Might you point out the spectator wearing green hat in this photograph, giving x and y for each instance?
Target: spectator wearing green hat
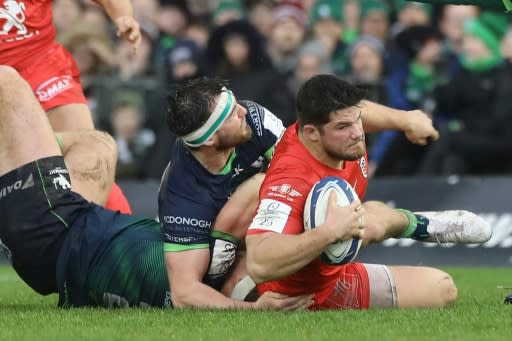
(411, 13)
(478, 137)
(226, 11)
(326, 21)
(375, 19)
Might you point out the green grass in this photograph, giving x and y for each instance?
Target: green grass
(479, 314)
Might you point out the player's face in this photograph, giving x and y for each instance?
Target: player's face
(343, 136)
(234, 130)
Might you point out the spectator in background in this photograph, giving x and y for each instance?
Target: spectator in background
(375, 19)
(313, 59)
(145, 11)
(451, 25)
(132, 138)
(351, 15)
(367, 68)
(198, 30)
(367, 73)
(287, 34)
(236, 52)
(477, 139)
(65, 14)
(172, 20)
(259, 13)
(327, 25)
(410, 13)
(409, 88)
(227, 11)
(185, 62)
(135, 66)
(94, 55)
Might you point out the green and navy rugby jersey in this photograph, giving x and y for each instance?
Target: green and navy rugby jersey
(191, 197)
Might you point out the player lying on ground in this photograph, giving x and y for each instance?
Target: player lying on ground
(56, 239)
(224, 144)
(329, 140)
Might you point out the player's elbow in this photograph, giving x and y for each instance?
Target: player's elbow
(181, 298)
(258, 271)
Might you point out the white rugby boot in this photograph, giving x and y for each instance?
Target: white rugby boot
(456, 226)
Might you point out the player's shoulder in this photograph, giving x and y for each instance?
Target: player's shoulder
(261, 119)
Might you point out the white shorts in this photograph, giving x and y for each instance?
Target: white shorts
(382, 286)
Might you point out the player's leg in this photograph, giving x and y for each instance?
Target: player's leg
(90, 157)
(422, 287)
(70, 117)
(25, 133)
(409, 287)
(452, 226)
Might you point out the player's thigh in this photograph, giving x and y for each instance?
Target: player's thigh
(91, 161)
(418, 286)
(69, 117)
(25, 133)
(237, 213)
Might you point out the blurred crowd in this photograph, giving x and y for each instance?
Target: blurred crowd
(452, 62)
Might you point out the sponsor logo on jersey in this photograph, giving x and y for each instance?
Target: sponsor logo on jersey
(272, 215)
(13, 17)
(16, 186)
(58, 170)
(62, 182)
(284, 191)
(363, 166)
(52, 87)
(255, 114)
(178, 240)
(169, 219)
(237, 170)
(258, 163)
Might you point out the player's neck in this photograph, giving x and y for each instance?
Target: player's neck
(212, 159)
(319, 153)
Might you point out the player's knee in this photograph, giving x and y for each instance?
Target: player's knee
(447, 289)
(8, 76)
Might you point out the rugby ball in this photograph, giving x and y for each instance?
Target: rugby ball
(315, 209)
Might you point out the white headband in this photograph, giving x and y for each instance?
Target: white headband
(224, 106)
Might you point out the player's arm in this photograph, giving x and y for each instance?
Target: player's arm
(415, 124)
(272, 255)
(121, 14)
(185, 270)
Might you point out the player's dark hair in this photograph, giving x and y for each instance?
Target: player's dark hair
(192, 104)
(323, 94)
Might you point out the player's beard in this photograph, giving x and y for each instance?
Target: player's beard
(228, 141)
(337, 154)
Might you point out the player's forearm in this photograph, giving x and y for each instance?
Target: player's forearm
(199, 295)
(272, 256)
(377, 117)
(116, 8)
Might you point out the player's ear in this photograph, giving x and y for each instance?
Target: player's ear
(211, 141)
(311, 132)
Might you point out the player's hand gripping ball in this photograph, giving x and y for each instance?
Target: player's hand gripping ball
(315, 210)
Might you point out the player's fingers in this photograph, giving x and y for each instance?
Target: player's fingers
(297, 302)
(435, 135)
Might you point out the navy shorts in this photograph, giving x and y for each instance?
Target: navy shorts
(37, 208)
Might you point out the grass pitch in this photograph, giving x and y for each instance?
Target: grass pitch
(479, 314)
